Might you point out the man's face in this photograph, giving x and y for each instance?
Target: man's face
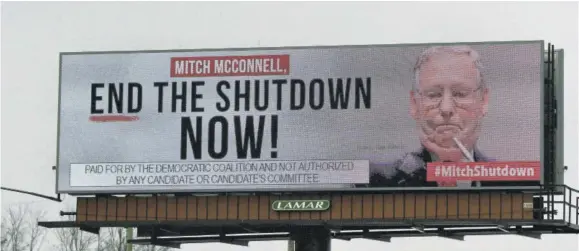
(449, 102)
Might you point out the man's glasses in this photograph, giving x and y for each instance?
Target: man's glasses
(461, 96)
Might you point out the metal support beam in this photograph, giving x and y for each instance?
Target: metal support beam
(248, 228)
(169, 232)
(504, 229)
(418, 228)
(452, 237)
(342, 238)
(57, 198)
(378, 238)
(228, 240)
(446, 234)
(520, 231)
(93, 230)
(530, 235)
(166, 244)
(332, 227)
(375, 236)
(155, 241)
(336, 235)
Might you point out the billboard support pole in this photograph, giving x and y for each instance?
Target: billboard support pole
(311, 239)
(129, 233)
(291, 245)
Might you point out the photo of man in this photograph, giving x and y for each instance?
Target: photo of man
(448, 102)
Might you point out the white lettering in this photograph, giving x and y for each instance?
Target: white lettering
(180, 67)
(319, 204)
(248, 65)
(483, 171)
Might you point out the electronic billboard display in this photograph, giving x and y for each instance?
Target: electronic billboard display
(301, 118)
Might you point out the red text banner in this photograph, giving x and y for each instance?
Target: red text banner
(256, 65)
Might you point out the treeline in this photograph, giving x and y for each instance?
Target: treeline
(20, 232)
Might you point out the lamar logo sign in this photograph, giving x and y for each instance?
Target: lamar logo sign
(300, 205)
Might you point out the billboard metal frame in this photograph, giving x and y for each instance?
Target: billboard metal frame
(164, 231)
(297, 189)
(559, 163)
(549, 122)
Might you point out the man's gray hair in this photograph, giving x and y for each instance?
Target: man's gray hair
(458, 49)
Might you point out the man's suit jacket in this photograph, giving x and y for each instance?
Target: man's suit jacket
(410, 171)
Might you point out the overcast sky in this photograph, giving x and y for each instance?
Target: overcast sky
(34, 33)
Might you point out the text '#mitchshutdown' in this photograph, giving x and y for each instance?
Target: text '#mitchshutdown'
(484, 171)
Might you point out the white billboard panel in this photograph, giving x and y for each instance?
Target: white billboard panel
(295, 118)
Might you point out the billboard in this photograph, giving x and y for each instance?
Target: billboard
(301, 118)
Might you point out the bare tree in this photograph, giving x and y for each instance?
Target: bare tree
(36, 233)
(20, 231)
(74, 239)
(115, 239)
(5, 239)
(150, 248)
(108, 239)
